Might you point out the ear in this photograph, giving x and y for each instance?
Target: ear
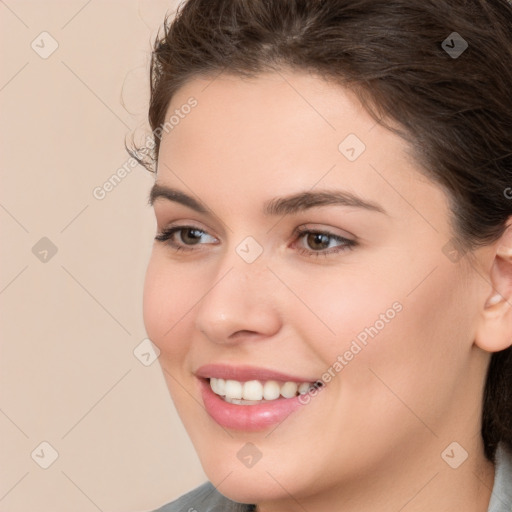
(494, 332)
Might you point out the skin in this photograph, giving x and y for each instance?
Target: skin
(373, 437)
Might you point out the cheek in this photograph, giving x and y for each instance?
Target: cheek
(343, 306)
(416, 339)
(167, 299)
(417, 361)
(153, 307)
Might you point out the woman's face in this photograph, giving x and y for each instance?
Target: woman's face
(370, 296)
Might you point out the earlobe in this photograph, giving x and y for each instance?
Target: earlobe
(494, 331)
(493, 300)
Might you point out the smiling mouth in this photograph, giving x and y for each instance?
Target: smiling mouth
(255, 392)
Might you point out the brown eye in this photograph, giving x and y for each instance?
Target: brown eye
(191, 236)
(188, 237)
(318, 241)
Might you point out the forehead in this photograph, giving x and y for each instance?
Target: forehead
(272, 107)
(278, 133)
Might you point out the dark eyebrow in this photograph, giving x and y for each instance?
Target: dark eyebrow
(277, 206)
(171, 194)
(304, 200)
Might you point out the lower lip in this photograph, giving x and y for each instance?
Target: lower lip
(248, 418)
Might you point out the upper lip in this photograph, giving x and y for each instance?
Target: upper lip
(245, 373)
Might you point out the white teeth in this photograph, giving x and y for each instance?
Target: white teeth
(271, 390)
(254, 391)
(233, 389)
(214, 384)
(304, 388)
(289, 389)
(221, 386)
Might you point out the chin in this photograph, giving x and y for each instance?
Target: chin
(266, 481)
(247, 488)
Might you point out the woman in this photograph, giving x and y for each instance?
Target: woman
(330, 286)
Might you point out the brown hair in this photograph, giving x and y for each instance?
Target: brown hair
(454, 110)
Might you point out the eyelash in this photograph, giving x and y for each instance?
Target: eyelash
(166, 236)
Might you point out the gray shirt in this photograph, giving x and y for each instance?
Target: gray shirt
(206, 498)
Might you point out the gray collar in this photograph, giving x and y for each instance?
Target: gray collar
(501, 497)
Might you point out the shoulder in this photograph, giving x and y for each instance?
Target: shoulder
(501, 498)
(204, 498)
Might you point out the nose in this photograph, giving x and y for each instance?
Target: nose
(239, 304)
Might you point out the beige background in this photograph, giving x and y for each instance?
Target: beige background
(70, 321)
